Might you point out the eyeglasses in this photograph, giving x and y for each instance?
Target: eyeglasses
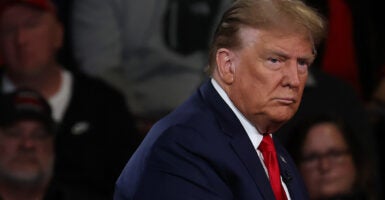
(334, 156)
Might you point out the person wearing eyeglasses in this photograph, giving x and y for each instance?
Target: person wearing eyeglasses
(331, 160)
(27, 151)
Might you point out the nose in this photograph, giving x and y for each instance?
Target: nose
(27, 142)
(291, 75)
(324, 164)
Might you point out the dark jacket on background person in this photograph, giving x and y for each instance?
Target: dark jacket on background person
(95, 138)
(58, 191)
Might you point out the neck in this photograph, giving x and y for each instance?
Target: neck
(266, 126)
(47, 82)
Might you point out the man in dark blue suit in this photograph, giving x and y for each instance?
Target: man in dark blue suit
(209, 147)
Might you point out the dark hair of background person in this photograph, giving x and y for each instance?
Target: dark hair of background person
(366, 184)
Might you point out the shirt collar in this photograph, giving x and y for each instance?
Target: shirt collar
(251, 131)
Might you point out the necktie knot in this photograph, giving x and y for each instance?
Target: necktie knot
(267, 144)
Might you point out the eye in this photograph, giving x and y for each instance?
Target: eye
(303, 66)
(310, 158)
(12, 133)
(32, 23)
(273, 60)
(303, 63)
(274, 63)
(40, 134)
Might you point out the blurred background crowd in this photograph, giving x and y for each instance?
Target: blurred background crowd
(109, 69)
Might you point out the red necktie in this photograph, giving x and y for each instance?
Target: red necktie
(271, 162)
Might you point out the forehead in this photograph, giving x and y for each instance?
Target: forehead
(26, 123)
(276, 38)
(19, 10)
(323, 136)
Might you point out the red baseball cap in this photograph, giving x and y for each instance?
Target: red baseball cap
(45, 5)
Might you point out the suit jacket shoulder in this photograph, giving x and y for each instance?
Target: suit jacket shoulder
(202, 151)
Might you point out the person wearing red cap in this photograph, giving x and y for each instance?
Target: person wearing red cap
(27, 155)
(96, 133)
(40, 4)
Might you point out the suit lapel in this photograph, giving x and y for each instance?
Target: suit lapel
(239, 140)
(288, 173)
(245, 150)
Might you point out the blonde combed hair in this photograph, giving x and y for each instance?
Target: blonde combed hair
(287, 15)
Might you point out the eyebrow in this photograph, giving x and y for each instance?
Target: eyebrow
(279, 53)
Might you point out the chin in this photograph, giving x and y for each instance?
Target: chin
(273, 125)
(277, 121)
(282, 118)
(285, 114)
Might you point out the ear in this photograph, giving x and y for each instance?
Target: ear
(225, 65)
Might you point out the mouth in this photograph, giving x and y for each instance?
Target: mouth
(286, 101)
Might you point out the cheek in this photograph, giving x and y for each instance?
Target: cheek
(46, 155)
(308, 175)
(348, 176)
(7, 49)
(46, 149)
(42, 41)
(311, 180)
(7, 151)
(302, 85)
(255, 85)
(249, 93)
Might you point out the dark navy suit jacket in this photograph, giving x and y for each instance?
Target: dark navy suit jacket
(201, 151)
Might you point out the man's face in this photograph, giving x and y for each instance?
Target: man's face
(270, 71)
(29, 39)
(26, 152)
